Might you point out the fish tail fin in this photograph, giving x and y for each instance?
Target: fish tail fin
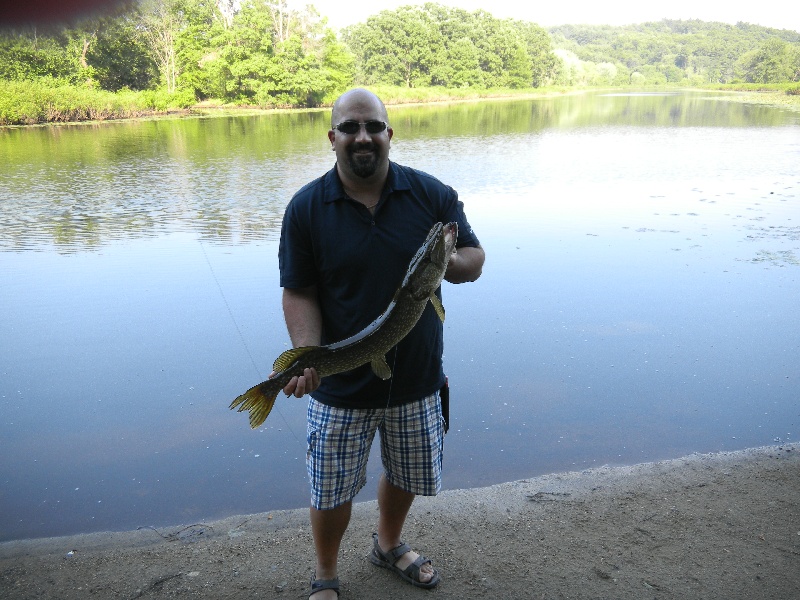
(259, 400)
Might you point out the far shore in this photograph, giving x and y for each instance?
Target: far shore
(774, 99)
(210, 109)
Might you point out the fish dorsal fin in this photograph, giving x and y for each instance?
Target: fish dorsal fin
(288, 358)
(438, 306)
(380, 368)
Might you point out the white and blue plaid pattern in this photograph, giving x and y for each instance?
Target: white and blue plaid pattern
(339, 441)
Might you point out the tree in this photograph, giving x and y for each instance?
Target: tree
(772, 62)
(294, 78)
(503, 53)
(203, 33)
(399, 47)
(337, 64)
(701, 51)
(438, 45)
(160, 25)
(464, 64)
(544, 64)
(119, 57)
(56, 52)
(248, 52)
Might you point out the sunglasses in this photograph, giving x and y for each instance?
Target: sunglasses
(352, 127)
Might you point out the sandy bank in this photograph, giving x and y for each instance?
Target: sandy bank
(705, 526)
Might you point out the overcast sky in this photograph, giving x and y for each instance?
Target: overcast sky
(770, 13)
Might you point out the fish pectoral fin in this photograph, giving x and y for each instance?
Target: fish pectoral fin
(438, 306)
(380, 368)
(288, 358)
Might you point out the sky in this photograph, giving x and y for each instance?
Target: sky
(769, 13)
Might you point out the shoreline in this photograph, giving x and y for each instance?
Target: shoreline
(206, 110)
(722, 525)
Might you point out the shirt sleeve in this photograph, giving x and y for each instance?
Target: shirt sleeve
(295, 251)
(454, 212)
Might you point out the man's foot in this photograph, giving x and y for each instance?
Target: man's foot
(324, 589)
(410, 566)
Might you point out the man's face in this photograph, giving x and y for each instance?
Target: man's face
(360, 154)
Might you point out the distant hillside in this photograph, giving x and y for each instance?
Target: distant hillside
(677, 50)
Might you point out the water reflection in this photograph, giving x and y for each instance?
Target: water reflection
(82, 186)
(638, 300)
(78, 187)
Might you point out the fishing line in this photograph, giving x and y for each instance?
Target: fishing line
(239, 331)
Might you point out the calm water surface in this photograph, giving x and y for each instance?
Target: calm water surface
(639, 300)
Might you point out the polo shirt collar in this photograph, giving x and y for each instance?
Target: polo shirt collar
(396, 181)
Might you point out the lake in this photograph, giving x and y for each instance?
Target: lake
(639, 300)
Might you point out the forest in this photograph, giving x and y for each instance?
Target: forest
(153, 55)
(679, 52)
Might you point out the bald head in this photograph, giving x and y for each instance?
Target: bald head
(356, 98)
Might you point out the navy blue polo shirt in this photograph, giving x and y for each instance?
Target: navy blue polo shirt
(357, 260)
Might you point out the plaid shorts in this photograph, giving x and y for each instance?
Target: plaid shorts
(339, 441)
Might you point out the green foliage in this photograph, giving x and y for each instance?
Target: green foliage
(503, 53)
(685, 52)
(201, 31)
(418, 46)
(119, 57)
(48, 100)
(401, 47)
(337, 67)
(773, 61)
(544, 64)
(29, 53)
(294, 78)
(161, 100)
(270, 56)
(162, 54)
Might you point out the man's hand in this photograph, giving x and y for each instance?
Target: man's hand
(301, 385)
(465, 265)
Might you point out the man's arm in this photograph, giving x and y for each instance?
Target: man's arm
(303, 316)
(465, 264)
(304, 321)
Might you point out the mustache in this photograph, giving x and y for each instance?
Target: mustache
(361, 146)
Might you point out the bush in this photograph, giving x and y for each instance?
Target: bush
(162, 100)
(52, 101)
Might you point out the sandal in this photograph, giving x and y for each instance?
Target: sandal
(317, 585)
(388, 560)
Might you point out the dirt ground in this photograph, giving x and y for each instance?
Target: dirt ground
(705, 526)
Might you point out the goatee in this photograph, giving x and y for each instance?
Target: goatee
(363, 165)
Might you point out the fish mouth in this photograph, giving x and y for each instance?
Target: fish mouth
(450, 232)
(449, 237)
(440, 243)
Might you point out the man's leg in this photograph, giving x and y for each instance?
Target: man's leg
(393, 505)
(338, 450)
(328, 527)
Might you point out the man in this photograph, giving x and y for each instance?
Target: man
(346, 242)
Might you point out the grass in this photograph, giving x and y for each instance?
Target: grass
(51, 101)
(783, 95)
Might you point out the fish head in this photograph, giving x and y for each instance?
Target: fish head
(426, 271)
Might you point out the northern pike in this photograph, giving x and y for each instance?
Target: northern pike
(370, 345)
